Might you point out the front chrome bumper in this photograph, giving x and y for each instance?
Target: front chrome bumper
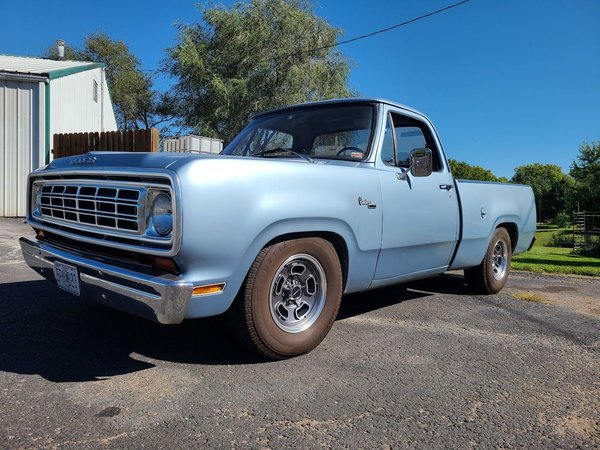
(161, 298)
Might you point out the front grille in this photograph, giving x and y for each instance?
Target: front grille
(108, 209)
(115, 208)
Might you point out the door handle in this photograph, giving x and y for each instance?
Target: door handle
(446, 187)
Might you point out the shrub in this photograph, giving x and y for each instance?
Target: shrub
(564, 239)
(563, 219)
(591, 247)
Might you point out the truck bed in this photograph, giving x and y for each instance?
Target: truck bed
(485, 206)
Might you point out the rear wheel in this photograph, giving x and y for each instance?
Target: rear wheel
(290, 299)
(490, 276)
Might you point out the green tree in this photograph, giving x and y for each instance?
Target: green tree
(136, 103)
(550, 186)
(585, 170)
(250, 57)
(461, 169)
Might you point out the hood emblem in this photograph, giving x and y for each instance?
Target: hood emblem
(83, 160)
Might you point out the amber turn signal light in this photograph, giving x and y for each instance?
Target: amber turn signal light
(164, 264)
(208, 289)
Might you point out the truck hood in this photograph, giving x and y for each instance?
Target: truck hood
(165, 160)
(96, 160)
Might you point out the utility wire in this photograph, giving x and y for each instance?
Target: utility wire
(357, 38)
(383, 30)
(433, 13)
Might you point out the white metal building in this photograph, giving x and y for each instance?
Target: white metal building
(39, 98)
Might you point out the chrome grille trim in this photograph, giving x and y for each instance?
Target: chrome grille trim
(144, 242)
(93, 205)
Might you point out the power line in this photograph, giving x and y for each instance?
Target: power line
(357, 38)
(433, 13)
(383, 30)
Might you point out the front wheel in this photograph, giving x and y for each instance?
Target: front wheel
(290, 299)
(490, 276)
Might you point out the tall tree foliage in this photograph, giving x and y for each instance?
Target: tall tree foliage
(585, 170)
(550, 185)
(136, 103)
(250, 57)
(461, 169)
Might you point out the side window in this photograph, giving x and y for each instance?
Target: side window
(410, 134)
(407, 139)
(387, 147)
(95, 91)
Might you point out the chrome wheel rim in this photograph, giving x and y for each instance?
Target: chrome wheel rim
(298, 293)
(500, 259)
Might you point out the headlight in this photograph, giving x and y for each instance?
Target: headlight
(162, 214)
(36, 198)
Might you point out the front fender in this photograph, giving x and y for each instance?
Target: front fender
(228, 219)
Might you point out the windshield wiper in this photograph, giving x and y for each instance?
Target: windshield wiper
(289, 150)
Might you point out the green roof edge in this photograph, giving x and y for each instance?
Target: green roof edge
(59, 73)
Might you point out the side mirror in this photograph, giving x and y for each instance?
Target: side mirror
(421, 162)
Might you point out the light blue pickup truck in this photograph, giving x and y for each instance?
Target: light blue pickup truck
(306, 204)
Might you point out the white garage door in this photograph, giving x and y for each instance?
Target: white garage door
(21, 136)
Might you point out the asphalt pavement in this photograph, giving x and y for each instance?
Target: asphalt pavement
(421, 365)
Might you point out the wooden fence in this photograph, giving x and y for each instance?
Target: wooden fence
(69, 144)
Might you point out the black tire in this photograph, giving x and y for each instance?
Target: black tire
(490, 276)
(276, 296)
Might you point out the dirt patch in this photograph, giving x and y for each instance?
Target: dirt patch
(530, 297)
(577, 424)
(581, 294)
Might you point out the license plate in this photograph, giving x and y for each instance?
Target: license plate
(67, 277)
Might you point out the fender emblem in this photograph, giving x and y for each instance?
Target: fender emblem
(83, 160)
(364, 202)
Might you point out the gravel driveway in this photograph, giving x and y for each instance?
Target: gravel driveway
(423, 365)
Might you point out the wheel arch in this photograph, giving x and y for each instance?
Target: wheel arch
(338, 242)
(513, 232)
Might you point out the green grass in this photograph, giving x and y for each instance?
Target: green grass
(544, 236)
(543, 258)
(555, 260)
(546, 227)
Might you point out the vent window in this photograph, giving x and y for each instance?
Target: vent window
(95, 91)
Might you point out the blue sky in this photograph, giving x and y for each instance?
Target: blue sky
(507, 82)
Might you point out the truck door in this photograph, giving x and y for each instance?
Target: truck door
(420, 215)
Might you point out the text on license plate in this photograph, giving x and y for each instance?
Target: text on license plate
(67, 277)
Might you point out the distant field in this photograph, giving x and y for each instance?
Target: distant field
(554, 259)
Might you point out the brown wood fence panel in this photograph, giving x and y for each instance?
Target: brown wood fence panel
(69, 144)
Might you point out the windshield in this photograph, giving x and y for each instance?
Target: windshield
(324, 131)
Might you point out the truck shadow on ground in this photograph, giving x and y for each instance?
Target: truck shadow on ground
(364, 302)
(48, 332)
